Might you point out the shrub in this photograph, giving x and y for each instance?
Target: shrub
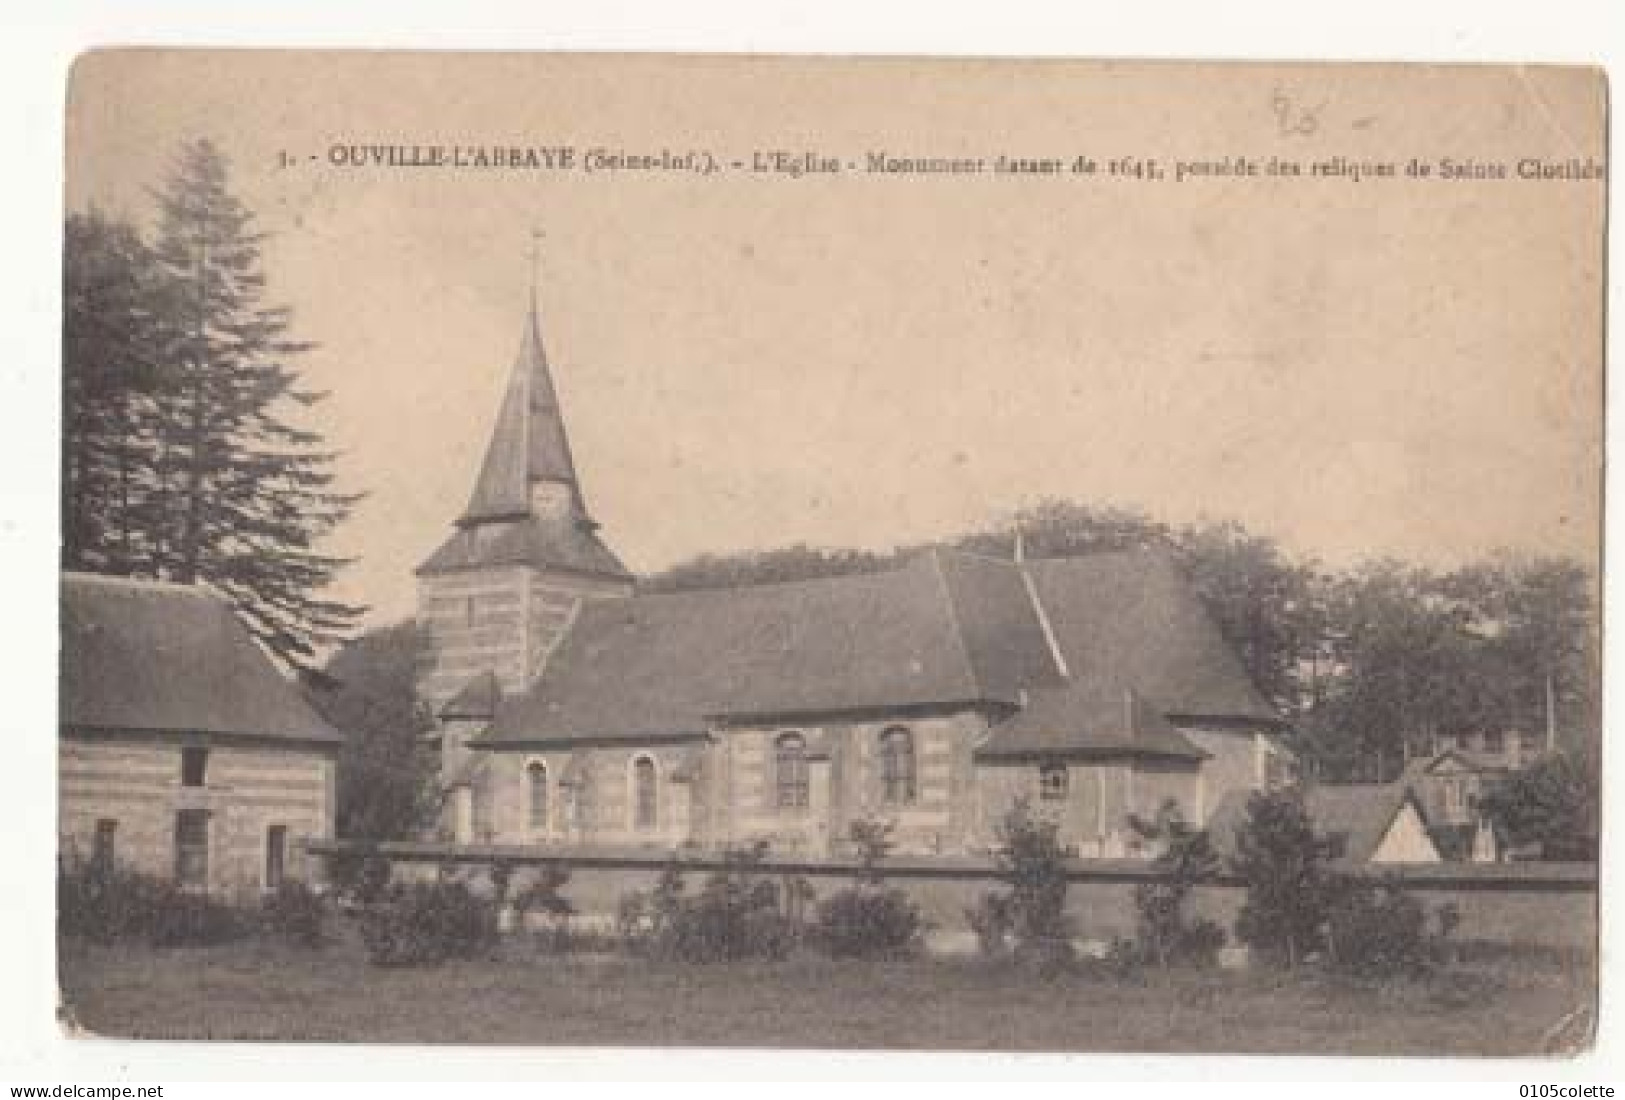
(867, 920)
(101, 901)
(643, 918)
(1290, 889)
(544, 895)
(184, 919)
(1164, 934)
(735, 915)
(361, 875)
(424, 924)
(1028, 921)
(1380, 931)
(992, 922)
(295, 914)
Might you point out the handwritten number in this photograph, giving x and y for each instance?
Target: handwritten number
(1292, 120)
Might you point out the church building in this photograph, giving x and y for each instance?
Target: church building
(574, 711)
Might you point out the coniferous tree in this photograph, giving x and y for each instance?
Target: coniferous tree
(248, 496)
(114, 343)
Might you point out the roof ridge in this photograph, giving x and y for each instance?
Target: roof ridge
(1044, 625)
(801, 582)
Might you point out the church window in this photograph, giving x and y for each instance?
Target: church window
(790, 771)
(194, 766)
(469, 609)
(1053, 782)
(897, 771)
(644, 805)
(536, 794)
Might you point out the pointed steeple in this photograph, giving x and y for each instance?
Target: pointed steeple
(527, 507)
(529, 444)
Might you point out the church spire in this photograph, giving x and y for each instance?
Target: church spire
(528, 445)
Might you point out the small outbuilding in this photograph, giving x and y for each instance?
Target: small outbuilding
(183, 751)
(1372, 822)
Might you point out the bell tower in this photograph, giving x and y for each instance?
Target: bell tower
(497, 596)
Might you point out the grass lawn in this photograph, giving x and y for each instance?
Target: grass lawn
(257, 991)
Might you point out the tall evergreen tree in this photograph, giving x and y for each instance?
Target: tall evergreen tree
(248, 495)
(113, 345)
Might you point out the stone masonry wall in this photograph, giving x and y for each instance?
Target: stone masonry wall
(137, 784)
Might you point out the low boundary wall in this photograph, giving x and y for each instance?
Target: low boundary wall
(1512, 904)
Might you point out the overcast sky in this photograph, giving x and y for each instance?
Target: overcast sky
(1385, 367)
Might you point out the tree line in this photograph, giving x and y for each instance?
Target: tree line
(181, 456)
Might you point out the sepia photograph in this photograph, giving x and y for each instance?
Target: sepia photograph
(820, 553)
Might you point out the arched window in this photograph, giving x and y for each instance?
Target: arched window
(790, 771)
(536, 795)
(645, 809)
(897, 765)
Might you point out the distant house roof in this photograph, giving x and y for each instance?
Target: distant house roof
(151, 656)
(947, 628)
(1455, 761)
(1361, 814)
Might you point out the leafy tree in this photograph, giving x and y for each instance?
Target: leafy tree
(791, 563)
(385, 778)
(1263, 603)
(1552, 802)
(247, 495)
(1290, 888)
(1535, 617)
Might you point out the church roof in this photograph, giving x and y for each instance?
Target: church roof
(1131, 618)
(528, 443)
(947, 628)
(531, 540)
(147, 655)
(477, 701)
(1087, 719)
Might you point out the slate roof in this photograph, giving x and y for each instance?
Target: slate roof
(667, 664)
(947, 628)
(1360, 813)
(1092, 719)
(477, 701)
(1131, 618)
(528, 443)
(571, 546)
(152, 656)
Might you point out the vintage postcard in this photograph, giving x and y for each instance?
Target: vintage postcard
(831, 553)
